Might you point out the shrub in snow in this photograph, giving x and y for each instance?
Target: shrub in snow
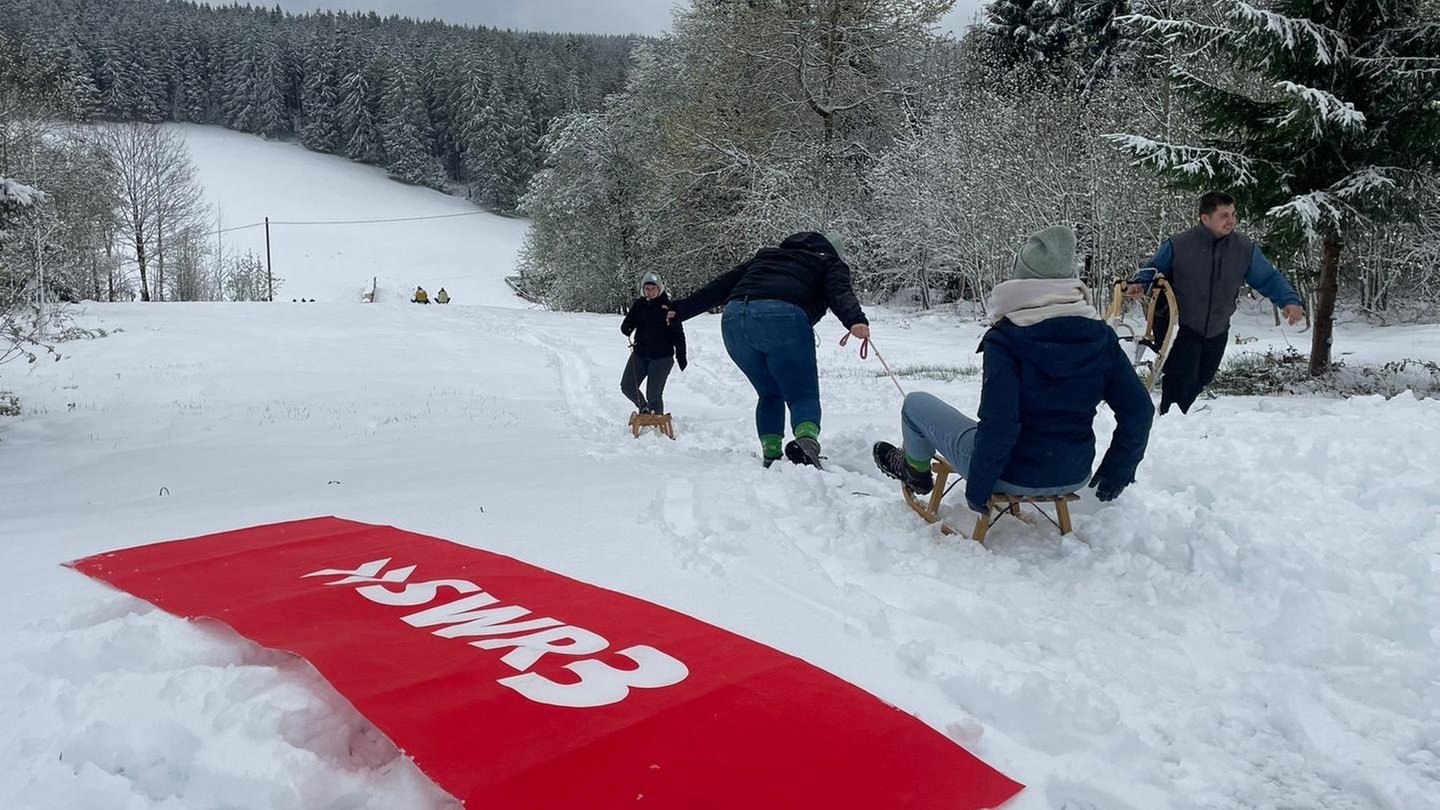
(1272, 373)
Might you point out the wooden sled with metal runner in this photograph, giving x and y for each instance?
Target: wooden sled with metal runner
(1160, 311)
(1000, 505)
(660, 421)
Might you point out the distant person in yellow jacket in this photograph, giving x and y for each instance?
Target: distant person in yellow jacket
(421, 297)
(442, 297)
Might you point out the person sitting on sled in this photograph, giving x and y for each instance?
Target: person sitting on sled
(657, 346)
(442, 297)
(772, 303)
(421, 297)
(1048, 362)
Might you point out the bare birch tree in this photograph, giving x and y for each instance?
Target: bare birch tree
(160, 195)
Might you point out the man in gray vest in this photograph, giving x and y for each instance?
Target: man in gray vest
(1206, 266)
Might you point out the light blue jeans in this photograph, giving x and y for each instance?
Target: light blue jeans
(929, 424)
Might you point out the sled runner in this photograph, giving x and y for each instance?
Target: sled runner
(659, 421)
(1000, 504)
(1157, 333)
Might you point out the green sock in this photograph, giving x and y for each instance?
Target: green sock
(922, 466)
(807, 430)
(770, 445)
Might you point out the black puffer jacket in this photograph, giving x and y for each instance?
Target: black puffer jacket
(654, 338)
(803, 270)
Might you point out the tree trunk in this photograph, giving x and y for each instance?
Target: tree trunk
(140, 260)
(160, 259)
(1328, 291)
(110, 268)
(925, 278)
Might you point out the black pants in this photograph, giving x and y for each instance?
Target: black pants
(640, 369)
(1191, 366)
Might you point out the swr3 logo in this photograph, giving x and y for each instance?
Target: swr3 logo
(477, 613)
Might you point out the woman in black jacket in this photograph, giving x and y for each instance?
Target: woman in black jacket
(657, 345)
(772, 303)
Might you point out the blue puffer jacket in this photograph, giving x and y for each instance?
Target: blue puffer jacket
(1037, 407)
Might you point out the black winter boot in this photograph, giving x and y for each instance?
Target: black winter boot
(803, 450)
(891, 461)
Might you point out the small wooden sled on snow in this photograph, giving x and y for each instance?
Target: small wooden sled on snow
(660, 421)
(1000, 504)
(1147, 338)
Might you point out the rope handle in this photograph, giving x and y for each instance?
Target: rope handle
(866, 346)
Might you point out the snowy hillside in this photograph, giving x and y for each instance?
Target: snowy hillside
(440, 241)
(1254, 624)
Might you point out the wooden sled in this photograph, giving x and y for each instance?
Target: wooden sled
(659, 421)
(1000, 505)
(1160, 345)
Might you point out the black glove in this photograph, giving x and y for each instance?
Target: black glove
(1106, 489)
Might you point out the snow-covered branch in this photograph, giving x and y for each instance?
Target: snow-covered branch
(1191, 160)
(15, 195)
(1321, 107)
(1365, 182)
(1293, 33)
(1313, 213)
(1172, 29)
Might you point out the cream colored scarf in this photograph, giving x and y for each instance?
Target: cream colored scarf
(1029, 301)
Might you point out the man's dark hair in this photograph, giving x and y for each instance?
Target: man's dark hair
(1211, 200)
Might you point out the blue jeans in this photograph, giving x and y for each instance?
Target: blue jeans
(773, 344)
(929, 424)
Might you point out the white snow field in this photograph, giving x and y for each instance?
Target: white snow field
(1254, 624)
(440, 241)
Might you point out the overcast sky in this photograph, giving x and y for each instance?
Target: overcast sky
(589, 16)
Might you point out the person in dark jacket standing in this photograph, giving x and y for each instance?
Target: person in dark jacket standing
(1049, 361)
(657, 345)
(772, 303)
(1206, 266)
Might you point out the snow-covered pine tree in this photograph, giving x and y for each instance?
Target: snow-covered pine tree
(405, 128)
(237, 90)
(440, 81)
(320, 95)
(357, 118)
(272, 113)
(485, 141)
(1099, 39)
(520, 149)
(81, 90)
(1319, 117)
(253, 99)
(192, 85)
(130, 88)
(1031, 34)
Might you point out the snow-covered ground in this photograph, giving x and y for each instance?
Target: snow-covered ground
(1251, 625)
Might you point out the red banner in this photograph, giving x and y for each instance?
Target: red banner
(514, 687)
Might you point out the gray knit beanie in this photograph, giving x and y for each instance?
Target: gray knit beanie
(1050, 253)
(651, 278)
